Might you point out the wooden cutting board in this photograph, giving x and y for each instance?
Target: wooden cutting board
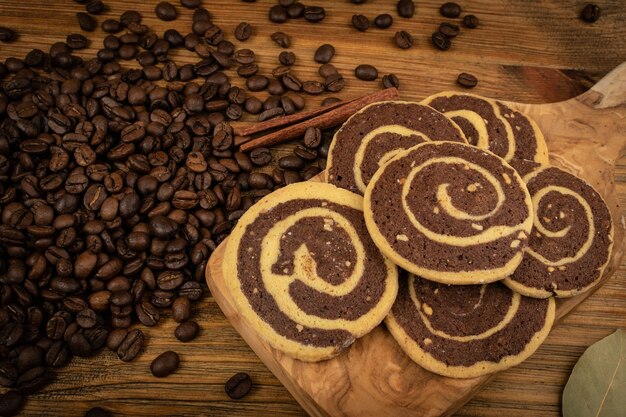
(586, 135)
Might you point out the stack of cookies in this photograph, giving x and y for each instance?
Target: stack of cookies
(462, 239)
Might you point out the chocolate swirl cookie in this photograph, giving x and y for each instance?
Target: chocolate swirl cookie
(377, 133)
(492, 125)
(450, 213)
(571, 240)
(464, 331)
(304, 272)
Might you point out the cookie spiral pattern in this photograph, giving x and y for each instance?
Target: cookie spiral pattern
(492, 125)
(450, 213)
(377, 133)
(572, 237)
(304, 272)
(464, 331)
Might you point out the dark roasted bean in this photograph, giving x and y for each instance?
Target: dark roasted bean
(403, 39)
(314, 14)
(470, 21)
(243, 31)
(165, 364)
(466, 80)
(450, 9)
(441, 41)
(277, 14)
(383, 21)
(449, 29)
(324, 53)
(360, 22)
(238, 385)
(166, 11)
(282, 39)
(590, 13)
(366, 72)
(187, 331)
(405, 8)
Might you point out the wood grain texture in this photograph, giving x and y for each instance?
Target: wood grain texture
(538, 52)
(585, 135)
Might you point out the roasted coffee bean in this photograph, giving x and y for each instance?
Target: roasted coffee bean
(147, 314)
(270, 113)
(58, 354)
(7, 34)
(291, 162)
(305, 153)
(334, 83)
(86, 318)
(166, 11)
(470, 21)
(590, 13)
(324, 53)
(275, 87)
(441, 41)
(181, 309)
(403, 39)
(360, 22)
(295, 10)
(86, 22)
(170, 280)
(131, 345)
(187, 331)
(243, 31)
(238, 386)
(11, 403)
(111, 26)
(282, 39)
(98, 412)
(405, 8)
(327, 70)
(450, 9)
(466, 80)
(366, 72)
(277, 14)
(291, 82)
(130, 16)
(287, 58)
(314, 14)
(383, 21)
(165, 364)
(312, 87)
(312, 137)
(76, 41)
(449, 29)
(257, 83)
(190, 4)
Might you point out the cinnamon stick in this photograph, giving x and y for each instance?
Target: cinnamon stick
(285, 120)
(324, 120)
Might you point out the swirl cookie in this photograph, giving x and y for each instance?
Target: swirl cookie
(450, 213)
(464, 331)
(492, 125)
(377, 133)
(570, 244)
(304, 272)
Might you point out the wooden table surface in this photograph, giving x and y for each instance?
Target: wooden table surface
(539, 52)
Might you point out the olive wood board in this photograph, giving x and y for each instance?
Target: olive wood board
(585, 135)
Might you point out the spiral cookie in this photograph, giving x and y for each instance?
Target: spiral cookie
(569, 246)
(492, 125)
(304, 272)
(464, 331)
(450, 213)
(377, 133)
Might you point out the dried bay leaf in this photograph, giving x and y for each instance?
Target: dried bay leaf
(597, 385)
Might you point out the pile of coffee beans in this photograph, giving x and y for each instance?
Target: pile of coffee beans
(116, 184)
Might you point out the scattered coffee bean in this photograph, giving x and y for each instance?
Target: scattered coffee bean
(243, 31)
(590, 13)
(190, 4)
(111, 26)
(260, 156)
(296, 10)
(314, 14)
(405, 8)
(383, 21)
(287, 58)
(467, 80)
(470, 21)
(238, 386)
(324, 53)
(403, 39)
(360, 22)
(257, 82)
(86, 22)
(98, 412)
(95, 7)
(450, 9)
(165, 364)
(312, 137)
(278, 14)
(131, 345)
(366, 72)
(391, 81)
(282, 39)
(7, 34)
(327, 70)
(441, 41)
(166, 11)
(186, 331)
(449, 29)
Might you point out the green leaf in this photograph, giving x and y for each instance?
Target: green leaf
(597, 385)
